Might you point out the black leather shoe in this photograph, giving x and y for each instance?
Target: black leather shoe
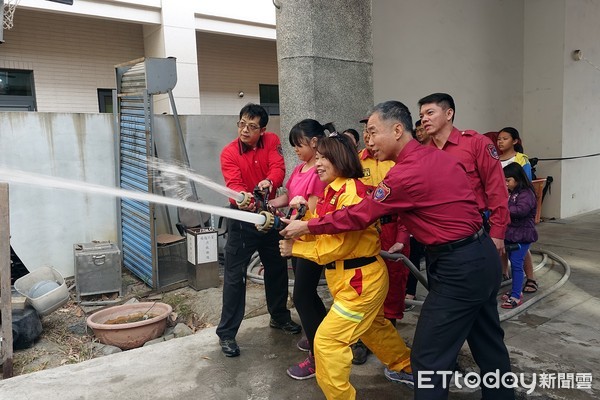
(359, 353)
(229, 347)
(289, 327)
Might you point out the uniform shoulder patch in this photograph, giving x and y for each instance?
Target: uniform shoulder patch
(491, 149)
(280, 150)
(381, 192)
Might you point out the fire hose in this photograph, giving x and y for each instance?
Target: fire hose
(505, 314)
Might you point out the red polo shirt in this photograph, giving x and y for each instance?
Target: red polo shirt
(243, 167)
(479, 156)
(427, 188)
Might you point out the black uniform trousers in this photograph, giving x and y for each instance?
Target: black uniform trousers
(461, 305)
(243, 239)
(417, 251)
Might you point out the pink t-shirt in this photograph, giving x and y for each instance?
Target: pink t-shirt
(304, 184)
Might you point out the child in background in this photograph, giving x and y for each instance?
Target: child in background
(511, 149)
(522, 205)
(305, 182)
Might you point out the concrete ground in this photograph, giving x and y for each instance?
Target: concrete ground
(556, 335)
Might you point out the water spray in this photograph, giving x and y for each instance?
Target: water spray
(28, 178)
(175, 177)
(172, 174)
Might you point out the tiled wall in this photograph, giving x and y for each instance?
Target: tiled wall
(71, 57)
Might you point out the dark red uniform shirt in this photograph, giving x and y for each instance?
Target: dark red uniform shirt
(478, 155)
(427, 188)
(243, 167)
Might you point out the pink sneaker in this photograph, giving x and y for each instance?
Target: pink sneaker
(303, 370)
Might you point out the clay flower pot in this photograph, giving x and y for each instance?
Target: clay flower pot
(130, 325)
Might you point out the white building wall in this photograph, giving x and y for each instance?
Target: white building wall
(255, 12)
(71, 56)
(228, 65)
(561, 100)
(176, 37)
(255, 19)
(140, 11)
(471, 49)
(169, 30)
(543, 91)
(580, 130)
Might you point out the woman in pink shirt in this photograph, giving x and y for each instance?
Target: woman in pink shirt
(305, 182)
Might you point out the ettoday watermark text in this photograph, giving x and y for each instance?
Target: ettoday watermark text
(495, 380)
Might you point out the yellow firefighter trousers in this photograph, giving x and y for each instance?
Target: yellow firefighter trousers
(357, 312)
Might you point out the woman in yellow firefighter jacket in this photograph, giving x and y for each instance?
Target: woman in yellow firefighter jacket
(356, 275)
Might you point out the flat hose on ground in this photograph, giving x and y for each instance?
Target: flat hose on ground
(541, 294)
(546, 254)
(257, 278)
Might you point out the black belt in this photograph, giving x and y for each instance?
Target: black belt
(386, 219)
(456, 244)
(354, 263)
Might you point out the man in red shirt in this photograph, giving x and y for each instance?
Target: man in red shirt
(392, 234)
(478, 155)
(252, 160)
(431, 193)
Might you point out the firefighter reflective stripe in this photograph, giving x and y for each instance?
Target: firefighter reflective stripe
(346, 313)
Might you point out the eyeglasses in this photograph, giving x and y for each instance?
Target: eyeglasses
(251, 127)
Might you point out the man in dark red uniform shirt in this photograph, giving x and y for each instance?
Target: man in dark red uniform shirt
(253, 159)
(478, 155)
(430, 192)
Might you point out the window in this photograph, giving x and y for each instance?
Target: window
(269, 98)
(105, 100)
(16, 90)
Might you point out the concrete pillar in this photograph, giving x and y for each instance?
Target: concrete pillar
(325, 58)
(176, 37)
